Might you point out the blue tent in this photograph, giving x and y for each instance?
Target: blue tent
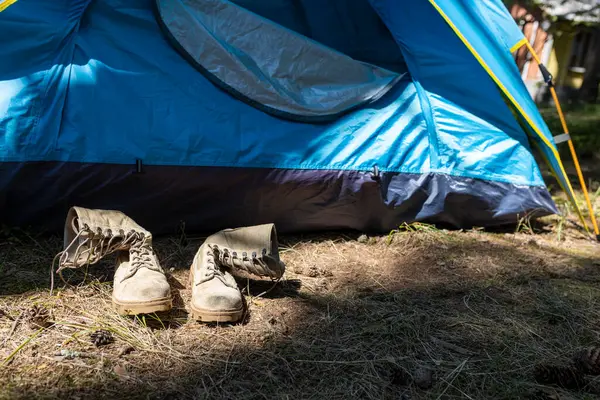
(313, 114)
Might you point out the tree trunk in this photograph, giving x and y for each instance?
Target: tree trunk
(591, 79)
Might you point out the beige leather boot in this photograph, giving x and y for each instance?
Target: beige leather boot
(253, 249)
(140, 284)
(215, 294)
(92, 234)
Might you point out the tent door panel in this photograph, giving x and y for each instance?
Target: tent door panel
(269, 66)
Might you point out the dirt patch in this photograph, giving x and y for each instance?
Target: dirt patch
(422, 314)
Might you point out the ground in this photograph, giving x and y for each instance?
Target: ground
(421, 313)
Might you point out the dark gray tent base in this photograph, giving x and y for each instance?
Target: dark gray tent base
(210, 198)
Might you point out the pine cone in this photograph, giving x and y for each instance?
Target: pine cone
(102, 337)
(38, 317)
(588, 360)
(567, 377)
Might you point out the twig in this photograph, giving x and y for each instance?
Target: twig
(78, 364)
(4, 314)
(14, 353)
(456, 372)
(453, 347)
(346, 362)
(13, 328)
(268, 290)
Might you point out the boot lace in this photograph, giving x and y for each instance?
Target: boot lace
(141, 256)
(253, 263)
(96, 244)
(212, 268)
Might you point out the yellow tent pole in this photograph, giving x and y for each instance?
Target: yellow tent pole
(548, 79)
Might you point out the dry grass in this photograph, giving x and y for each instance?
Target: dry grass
(352, 319)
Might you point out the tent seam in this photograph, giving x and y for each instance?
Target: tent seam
(425, 104)
(453, 172)
(516, 104)
(430, 122)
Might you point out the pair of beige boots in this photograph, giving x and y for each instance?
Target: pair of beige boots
(140, 285)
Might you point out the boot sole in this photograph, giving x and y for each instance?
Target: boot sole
(199, 314)
(147, 307)
(216, 316)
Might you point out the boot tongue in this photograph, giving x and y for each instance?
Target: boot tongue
(78, 251)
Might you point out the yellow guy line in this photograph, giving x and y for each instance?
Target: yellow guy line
(519, 44)
(6, 3)
(514, 101)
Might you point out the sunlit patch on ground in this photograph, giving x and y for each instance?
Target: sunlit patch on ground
(420, 313)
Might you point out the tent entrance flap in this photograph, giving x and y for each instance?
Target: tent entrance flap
(284, 69)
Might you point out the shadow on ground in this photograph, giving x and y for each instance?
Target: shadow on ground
(441, 315)
(590, 167)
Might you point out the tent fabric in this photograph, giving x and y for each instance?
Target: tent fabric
(334, 24)
(268, 65)
(98, 86)
(298, 200)
(450, 82)
(501, 26)
(501, 67)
